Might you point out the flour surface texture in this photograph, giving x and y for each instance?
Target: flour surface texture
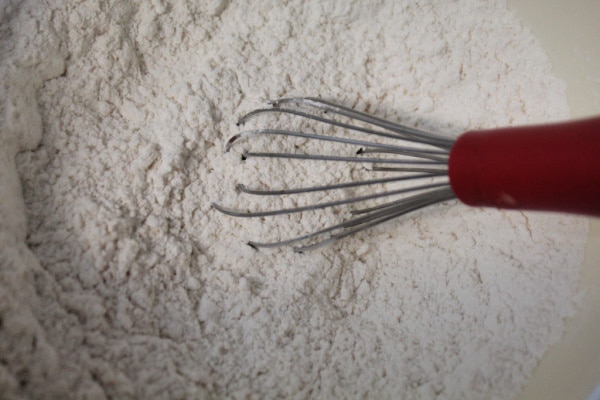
(118, 280)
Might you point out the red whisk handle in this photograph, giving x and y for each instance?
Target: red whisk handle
(553, 167)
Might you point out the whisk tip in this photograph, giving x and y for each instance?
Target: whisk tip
(230, 142)
(222, 209)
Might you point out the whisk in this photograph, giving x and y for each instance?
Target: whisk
(552, 167)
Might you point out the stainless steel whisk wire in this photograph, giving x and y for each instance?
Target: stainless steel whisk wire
(405, 163)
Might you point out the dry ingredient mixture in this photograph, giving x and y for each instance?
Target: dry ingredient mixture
(117, 278)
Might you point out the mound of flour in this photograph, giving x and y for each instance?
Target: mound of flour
(117, 278)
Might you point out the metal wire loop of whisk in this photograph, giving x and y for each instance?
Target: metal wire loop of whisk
(414, 155)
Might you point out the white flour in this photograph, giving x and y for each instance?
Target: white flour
(118, 280)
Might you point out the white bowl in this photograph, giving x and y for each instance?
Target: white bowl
(570, 34)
